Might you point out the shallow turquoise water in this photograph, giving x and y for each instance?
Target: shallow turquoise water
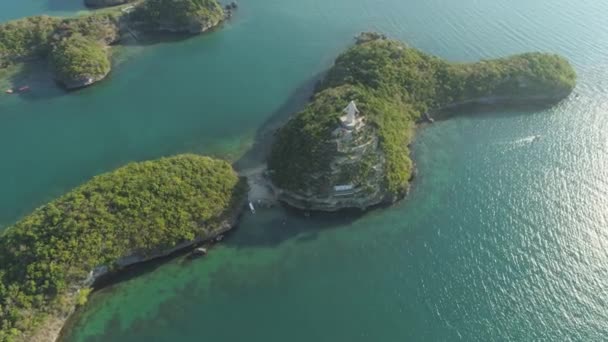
(501, 239)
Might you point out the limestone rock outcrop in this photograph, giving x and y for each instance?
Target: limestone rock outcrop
(105, 3)
(356, 169)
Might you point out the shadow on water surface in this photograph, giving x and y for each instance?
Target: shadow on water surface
(38, 77)
(264, 136)
(273, 231)
(267, 228)
(282, 226)
(65, 5)
(148, 39)
(134, 37)
(496, 110)
(284, 223)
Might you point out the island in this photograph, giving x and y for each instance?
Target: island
(78, 48)
(349, 147)
(50, 259)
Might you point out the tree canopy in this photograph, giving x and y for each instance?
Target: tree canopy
(33, 37)
(73, 41)
(78, 57)
(393, 85)
(141, 208)
(179, 14)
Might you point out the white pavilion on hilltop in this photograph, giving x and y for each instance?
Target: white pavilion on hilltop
(351, 118)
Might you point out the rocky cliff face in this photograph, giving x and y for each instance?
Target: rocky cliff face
(50, 331)
(105, 3)
(193, 26)
(178, 16)
(355, 178)
(80, 81)
(79, 61)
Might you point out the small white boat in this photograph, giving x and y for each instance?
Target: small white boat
(251, 208)
(200, 251)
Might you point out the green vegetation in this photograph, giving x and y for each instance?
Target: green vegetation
(179, 15)
(37, 37)
(141, 208)
(83, 296)
(102, 26)
(304, 146)
(69, 42)
(393, 85)
(34, 37)
(26, 38)
(76, 58)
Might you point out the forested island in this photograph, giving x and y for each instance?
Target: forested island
(49, 259)
(77, 48)
(349, 147)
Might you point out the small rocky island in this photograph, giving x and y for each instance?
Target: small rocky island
(50, 259)
(349, 147)
(78, 48)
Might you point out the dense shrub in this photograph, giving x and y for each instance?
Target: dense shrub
(27, 38)
(393, 85)
(140, 208)
(34, 37)
(179, 14)
(78, 57)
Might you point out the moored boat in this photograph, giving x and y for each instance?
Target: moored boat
(201, 251)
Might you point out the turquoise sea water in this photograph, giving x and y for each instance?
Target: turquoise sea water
(502, 239)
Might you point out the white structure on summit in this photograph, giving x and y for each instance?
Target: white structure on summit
(349, 119)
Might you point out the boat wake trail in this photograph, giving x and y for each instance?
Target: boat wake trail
(521, 142)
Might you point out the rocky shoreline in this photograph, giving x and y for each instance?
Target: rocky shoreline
(82, 82)
(105, 28)
(492, 102)
(349, 147)
(312, 202)
(105, 3)
(210, 198)
(51, 331)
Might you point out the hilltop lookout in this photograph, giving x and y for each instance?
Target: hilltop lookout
(351, 117)
(352, 151)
